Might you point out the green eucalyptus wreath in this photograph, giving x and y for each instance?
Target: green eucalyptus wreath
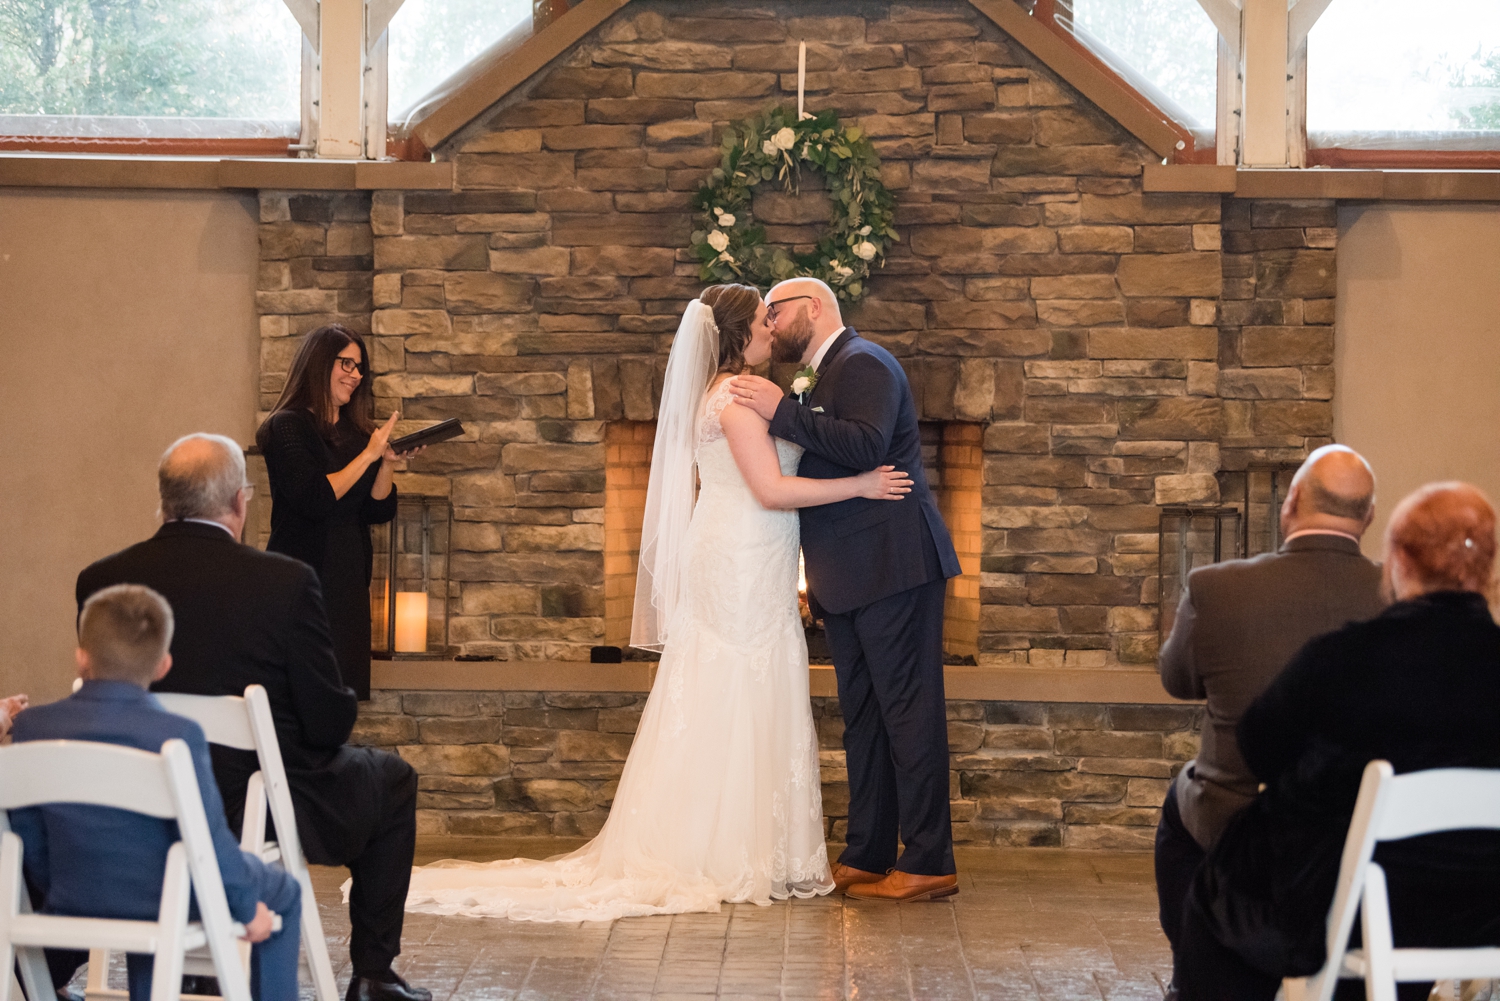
(774, 146)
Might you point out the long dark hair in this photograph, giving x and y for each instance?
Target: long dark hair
(734, 309)
(308, 381)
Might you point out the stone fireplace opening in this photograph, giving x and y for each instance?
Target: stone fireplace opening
(627, 469)
(953, 455)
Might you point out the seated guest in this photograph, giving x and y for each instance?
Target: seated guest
(93, 861)
(9, 707)
(245, 617)
(1418, 686)
(1237, 625)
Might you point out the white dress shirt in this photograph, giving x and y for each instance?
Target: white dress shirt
(817, 358)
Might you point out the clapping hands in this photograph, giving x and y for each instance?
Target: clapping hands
(9, 709)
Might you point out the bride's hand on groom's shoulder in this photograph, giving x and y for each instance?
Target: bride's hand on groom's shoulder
(884, 483)
(761, 395)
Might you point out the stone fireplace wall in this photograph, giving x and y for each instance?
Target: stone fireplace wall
(1114, 350)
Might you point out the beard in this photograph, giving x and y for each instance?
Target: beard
(790, 342)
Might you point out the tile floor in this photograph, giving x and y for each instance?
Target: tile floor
(1028, 924)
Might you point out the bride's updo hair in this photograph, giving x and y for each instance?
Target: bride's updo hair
(734, 309)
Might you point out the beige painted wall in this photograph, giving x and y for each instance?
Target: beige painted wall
(126, 320)
(1417, 360)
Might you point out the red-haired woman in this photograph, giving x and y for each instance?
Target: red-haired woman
(1419, 686)
(330, 472)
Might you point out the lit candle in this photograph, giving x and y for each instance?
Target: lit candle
(801, 75)
(411, 622)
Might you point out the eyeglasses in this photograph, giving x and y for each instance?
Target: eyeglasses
(350, 365)
(773, 307)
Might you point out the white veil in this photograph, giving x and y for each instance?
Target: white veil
(669, 494)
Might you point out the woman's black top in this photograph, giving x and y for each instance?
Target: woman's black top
(1418, 686)
(330, 534)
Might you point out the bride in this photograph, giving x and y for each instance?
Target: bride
(720, 798)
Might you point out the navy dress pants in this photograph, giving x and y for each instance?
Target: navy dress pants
(888, 656)
(1178, 856)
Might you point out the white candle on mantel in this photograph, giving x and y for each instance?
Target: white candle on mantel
(411, 621)
(801, 75)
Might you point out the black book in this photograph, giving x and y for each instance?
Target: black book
(441, 431)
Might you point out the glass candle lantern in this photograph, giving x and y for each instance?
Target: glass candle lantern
(1188, 538)
(1266, 486)
(409, 586)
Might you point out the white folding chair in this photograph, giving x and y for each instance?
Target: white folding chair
(1391, 807)
(245, 724)
(159, 785)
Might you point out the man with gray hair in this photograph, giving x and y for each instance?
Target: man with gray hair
(245, 617)
(1237, 625)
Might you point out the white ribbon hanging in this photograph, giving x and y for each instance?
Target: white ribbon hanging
(801, 79)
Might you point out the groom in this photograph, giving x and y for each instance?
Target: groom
(876, 573)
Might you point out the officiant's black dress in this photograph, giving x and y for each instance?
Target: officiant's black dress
(330, 534)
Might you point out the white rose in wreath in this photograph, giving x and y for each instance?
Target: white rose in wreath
(726, 220)
(865, 251)
(768, 148)
(718, 240)
(785, 139)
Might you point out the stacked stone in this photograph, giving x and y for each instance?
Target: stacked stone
(1075, 775)
(1114, 352)
(315, 268)
(1276, 329)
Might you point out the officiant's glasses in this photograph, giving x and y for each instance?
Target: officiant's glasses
(773, 307)
(351, 365)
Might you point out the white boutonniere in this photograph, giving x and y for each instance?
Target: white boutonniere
(803, 383)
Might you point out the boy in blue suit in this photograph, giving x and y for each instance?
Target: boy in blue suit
(100, 862)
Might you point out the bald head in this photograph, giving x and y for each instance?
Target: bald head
(806, 313)
(1334, 490)
(200, 476)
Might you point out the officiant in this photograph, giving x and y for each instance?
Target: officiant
(331, 479)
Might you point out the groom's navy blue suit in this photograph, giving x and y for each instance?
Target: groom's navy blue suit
(877, 571)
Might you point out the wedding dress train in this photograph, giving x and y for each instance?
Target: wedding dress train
(720, 798)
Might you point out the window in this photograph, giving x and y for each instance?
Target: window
(171, 67)
(1170, 46)
(1163, 54)
(1384, 74)
(430, 40)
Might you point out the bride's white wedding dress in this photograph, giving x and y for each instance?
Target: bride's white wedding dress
(720, 799)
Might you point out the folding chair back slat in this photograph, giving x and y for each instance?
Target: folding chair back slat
(1441, 799)
(222, 717)
(78, 771)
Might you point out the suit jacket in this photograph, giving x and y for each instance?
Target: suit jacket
(860, 550)
(1238, 624)
(96, 861)
(244, 617)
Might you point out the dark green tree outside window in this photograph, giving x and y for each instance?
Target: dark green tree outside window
(192, 58)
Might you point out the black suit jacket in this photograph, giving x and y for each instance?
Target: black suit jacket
(861, 415)
(1238, 624)
(244, 617)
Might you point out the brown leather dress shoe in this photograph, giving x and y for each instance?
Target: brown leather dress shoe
(906, 886)
(845, 876)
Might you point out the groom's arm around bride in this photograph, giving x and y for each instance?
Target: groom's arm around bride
(877, 572)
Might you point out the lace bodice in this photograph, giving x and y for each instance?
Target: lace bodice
(711, 429)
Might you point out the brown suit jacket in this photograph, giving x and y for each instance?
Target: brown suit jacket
(1238, 624)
